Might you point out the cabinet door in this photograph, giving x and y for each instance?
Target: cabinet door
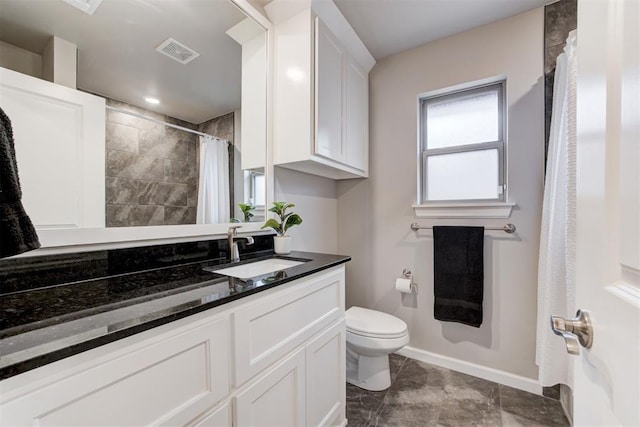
(166, 382)
(277, 398)
(326, 382)
(59, 140)
(356, 144)
(329, 69)
(268, 329)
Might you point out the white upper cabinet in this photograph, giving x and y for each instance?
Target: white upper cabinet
(329, 94)
(356, 116)
(321, 91)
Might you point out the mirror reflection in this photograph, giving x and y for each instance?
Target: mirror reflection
(184, 89)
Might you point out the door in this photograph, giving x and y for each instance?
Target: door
(329, 68)
(607, 376)
(356, 120)
(326, 377)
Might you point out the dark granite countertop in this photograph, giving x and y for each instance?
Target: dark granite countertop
(42, 325)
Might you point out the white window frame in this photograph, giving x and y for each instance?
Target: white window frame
(463, 208)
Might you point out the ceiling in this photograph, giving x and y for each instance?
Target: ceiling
(116, 45)
(388, 27)
(116, 50)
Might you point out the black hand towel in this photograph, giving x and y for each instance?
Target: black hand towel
(17, 234)
(458, 274)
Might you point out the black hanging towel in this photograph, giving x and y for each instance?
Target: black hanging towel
(458, 274)
(17, 234)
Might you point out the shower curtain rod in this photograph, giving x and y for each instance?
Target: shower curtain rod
(508, 228)
(151, 119)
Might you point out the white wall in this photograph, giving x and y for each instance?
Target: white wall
(316, 200)
(374, 214)
(20, 60)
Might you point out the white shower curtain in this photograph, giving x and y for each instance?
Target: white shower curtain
(213, 186)
(556, 265)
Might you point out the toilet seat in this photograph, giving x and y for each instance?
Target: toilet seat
(374, 324)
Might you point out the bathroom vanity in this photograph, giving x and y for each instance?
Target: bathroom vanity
(197, 348)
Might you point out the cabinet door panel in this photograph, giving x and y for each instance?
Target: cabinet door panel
(326, 371)
(356, 117)
(268, 329)
(166, 383)
(277, 398)
(329, 64)
(221, 417)
(59, 140)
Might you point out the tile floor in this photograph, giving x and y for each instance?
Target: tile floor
(426, 395)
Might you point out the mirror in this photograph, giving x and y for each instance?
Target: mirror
(194, 151)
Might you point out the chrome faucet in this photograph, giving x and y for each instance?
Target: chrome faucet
(234, 255)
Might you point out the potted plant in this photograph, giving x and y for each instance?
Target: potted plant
(246, 209)
(282, 242)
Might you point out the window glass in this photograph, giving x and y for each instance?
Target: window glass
(462, 144)
(462, 120)
(470, 175)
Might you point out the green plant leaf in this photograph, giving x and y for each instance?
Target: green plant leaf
(287, 220)
(293, 219)
(275, 225)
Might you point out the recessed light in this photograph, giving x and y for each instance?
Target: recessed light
(151, 100)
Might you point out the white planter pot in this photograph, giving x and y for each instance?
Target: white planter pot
(282, 244)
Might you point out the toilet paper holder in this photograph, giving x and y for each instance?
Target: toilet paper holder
(406, 273)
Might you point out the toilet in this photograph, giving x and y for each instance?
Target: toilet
(371, 337)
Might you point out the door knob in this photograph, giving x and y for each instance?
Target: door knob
(576, 332)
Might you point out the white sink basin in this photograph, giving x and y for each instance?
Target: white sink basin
(258, 268)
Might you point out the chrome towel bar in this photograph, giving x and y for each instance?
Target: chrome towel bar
(508, 228)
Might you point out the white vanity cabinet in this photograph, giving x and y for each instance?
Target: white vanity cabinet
(300, 331)
(164, 377)
(321, 92)
(273, 358)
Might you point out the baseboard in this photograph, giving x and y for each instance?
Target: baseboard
(490, 374)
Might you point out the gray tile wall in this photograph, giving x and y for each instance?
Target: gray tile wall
(151, 170)
(560, 18)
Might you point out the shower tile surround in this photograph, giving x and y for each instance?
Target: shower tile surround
(560, 18)
(424, 395)
(151, 169)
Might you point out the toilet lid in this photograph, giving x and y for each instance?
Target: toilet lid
(371, 323)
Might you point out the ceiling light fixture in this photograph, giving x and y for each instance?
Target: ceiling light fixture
(151, 100)
(87, 6)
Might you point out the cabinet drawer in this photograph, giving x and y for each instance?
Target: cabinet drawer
(169, 381)
(268, 329)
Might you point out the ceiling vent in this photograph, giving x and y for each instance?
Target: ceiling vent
(87, 6)
(177, 51)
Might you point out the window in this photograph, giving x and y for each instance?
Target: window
(256, 188)
(462, 139)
